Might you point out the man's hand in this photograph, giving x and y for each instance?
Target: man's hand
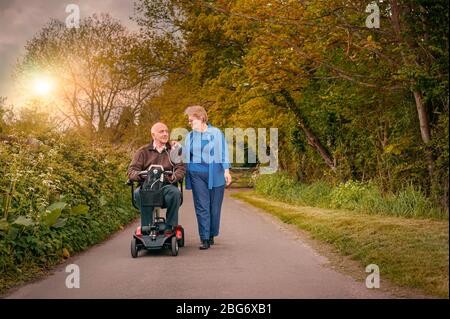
(171, 178)
(228, 178)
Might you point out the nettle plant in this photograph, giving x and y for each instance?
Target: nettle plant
(30, 190)
(58, 179)
(58, 196)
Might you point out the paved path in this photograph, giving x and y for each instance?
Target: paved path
(252, 258)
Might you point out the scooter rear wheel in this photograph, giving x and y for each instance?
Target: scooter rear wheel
(181, 240)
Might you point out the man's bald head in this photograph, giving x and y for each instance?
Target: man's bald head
(160, 133)
(158, 126)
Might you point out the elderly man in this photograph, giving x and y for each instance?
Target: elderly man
(158, 153)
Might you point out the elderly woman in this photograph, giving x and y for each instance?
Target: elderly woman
(206, 154)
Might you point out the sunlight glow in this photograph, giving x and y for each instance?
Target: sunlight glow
(42, 86)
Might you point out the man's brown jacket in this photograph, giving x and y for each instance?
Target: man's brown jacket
(148, 155)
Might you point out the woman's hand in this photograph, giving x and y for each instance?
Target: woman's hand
(228, 178)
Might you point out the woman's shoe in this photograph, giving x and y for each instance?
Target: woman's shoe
(205, 244)
(211, 240)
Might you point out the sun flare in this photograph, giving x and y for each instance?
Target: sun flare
(42, 86)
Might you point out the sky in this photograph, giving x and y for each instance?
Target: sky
(20, 20)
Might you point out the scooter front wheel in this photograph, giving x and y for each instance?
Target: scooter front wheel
(174, 246)
(134, 248)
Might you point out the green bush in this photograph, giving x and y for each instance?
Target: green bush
(348, 195)
(352, 195)
(58, 196)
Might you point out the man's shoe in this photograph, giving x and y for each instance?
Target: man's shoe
(204, 245)
(211, 240)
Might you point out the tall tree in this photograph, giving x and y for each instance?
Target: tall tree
(96, 69)
(372, 103)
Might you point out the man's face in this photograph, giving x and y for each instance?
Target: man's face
(161, 134)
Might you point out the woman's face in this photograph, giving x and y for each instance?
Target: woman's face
(195, 123)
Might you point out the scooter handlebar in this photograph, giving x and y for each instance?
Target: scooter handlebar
(143, 173)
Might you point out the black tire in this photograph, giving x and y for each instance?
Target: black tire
(181, 240)
(174, 246)
(134, 248)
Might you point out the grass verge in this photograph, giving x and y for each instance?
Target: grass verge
(409, 252)
(356, 196)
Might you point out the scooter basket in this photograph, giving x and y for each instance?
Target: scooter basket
(152, 198)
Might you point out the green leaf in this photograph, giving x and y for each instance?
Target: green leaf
(57, 205)
(23, 221)
(392, 149)
(13, 232)
(103, 201)
(80, 209)
(51, 217)
(60, 223)
(4, 225)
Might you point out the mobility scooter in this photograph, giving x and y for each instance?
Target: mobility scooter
(155, 236)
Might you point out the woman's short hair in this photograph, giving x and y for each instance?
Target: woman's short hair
(197, 111)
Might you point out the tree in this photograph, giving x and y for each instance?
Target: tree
(98, 71)
(362, 98)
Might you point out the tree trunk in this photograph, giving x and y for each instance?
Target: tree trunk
(421, 109)
(423, 118)
(425, 131)
(313, 140)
